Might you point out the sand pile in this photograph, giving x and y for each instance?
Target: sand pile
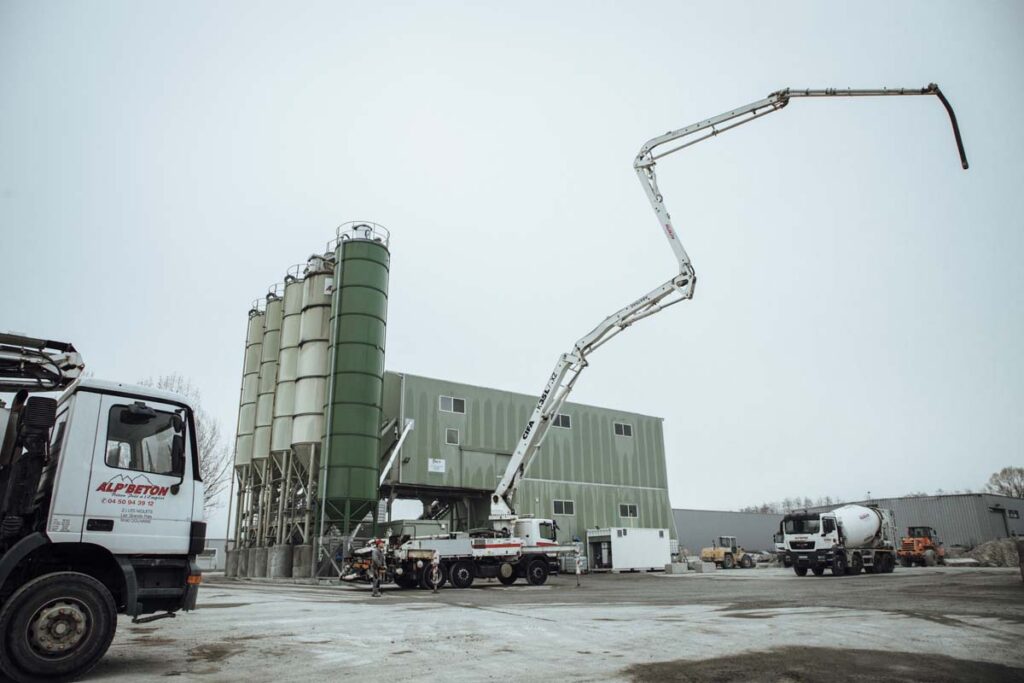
(1001, 553)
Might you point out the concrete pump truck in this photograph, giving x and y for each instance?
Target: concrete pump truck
(524, 546)
(101, 510)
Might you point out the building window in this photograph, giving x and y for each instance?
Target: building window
(451, 437)
(564, 507)
(628, 510)
(1013, 514)
(450, 404)
(562, 420)
(623, 429)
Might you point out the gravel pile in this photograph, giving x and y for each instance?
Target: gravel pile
(1001, 553)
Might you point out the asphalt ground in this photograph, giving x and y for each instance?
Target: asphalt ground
(919, 624)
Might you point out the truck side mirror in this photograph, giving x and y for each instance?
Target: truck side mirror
(178, 460)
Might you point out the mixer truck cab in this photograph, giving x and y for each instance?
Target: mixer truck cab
(846, 540)
(101, 507)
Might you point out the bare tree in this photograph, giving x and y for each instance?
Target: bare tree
(1008, 481)
(214, 455)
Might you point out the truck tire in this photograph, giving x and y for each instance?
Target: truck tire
(929, 558)
(746, 562)
(818, 571)
(537, 572)
(727, 562)
(856, 565)
(507, 574)
(906, 561)
(461, 575)
(427, 580)
(839, 565)
(890, 563)
(56, 627)
(800, 571)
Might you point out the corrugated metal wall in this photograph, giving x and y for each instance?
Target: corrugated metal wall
(619, 469)
(961, 519)
(698, 528)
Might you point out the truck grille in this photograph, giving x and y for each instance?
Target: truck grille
(908, 545)
(801, 545)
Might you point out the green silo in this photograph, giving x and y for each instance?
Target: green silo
(358, 320)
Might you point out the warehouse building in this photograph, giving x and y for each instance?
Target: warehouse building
(698, 528)
(965, 519)
(598, 467)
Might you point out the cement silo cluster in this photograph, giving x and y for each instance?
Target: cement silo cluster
(309, 420)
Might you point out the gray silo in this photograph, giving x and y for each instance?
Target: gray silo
(314, 335)
(288, 362)
(247, 427)
(264, 474)
(250, 384)
(310, 392)
(288, 475)
(267, 382)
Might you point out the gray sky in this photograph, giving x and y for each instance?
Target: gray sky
(859, 318)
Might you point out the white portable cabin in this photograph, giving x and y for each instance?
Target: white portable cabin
(623, 549)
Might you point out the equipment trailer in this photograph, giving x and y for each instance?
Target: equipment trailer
(101, 510)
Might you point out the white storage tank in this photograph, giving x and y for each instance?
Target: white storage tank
(288, 362)
(267, 382)
(314, 337)
(250, 384)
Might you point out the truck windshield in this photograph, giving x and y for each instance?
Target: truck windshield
(807, 525)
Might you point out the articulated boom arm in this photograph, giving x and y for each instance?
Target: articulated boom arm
(679, 288)
(649, 153)
(564, 377)
(37, 364)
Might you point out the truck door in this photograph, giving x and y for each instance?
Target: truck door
(140, 489)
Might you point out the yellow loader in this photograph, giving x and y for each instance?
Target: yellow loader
(726, 554)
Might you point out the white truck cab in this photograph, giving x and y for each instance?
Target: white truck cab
(101, 513)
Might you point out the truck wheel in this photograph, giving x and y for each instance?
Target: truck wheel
(57, 626)
(727, 562)
(839, 565)
(507, 574)
(890, 564)
(856, 565)
(537, 572)
(427, 579)
(800, 571)
(818, 571)
(906, 561)
(929, 558)
(746, 562)
(461, 575)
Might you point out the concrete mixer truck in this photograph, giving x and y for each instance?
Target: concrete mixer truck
(846, 540)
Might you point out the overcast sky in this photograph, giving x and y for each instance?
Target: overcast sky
(858, 324)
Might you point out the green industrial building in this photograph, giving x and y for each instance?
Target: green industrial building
(597, 468)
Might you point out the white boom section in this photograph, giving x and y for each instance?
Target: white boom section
(37, 364)
(679, 288)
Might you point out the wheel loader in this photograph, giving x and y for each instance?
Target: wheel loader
(921, 546)
(726, 554)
